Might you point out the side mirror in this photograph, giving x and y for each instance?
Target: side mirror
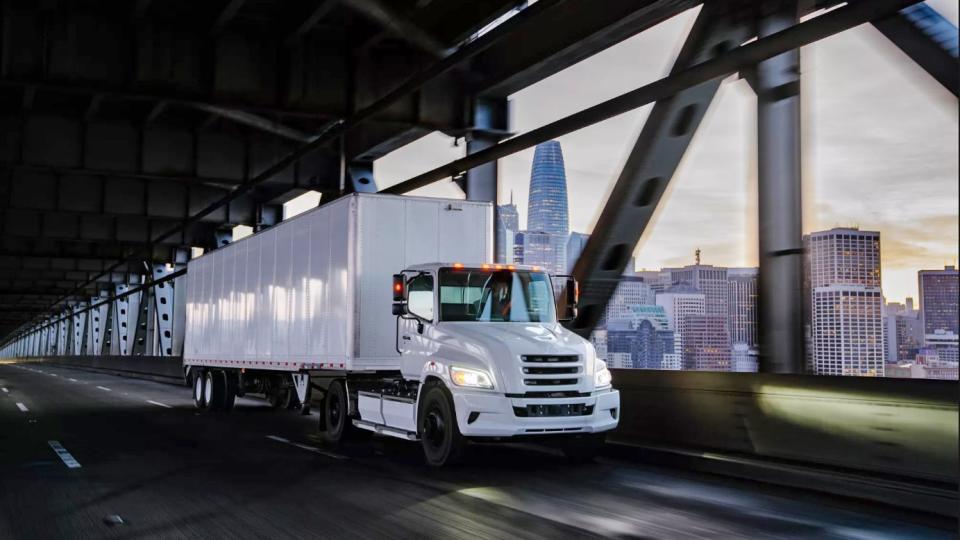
(571, 297)
(399, 309)
(573, 292)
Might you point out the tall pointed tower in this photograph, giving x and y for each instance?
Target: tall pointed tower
(547, 211)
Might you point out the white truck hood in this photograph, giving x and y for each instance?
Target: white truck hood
(500, 347)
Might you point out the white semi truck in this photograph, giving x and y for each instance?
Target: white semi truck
(386, 310)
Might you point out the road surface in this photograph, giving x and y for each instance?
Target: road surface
(90, 455)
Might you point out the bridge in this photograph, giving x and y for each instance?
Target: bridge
(134, 135)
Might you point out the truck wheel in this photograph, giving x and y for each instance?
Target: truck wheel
(439, 433)
(216, 390)
(199, 396)
(230, 396)
(335, 422)
(583, 448)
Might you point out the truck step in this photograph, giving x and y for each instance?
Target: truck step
(386, 430)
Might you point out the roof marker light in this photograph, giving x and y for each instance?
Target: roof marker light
(485, 266)
(498, 267)
(458, 265)
(511, 267)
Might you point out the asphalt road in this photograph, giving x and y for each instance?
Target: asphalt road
(79, 449)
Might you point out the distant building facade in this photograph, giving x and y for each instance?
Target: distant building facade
(575, 245)
(706, 344)
(939, 300)
(846, 302)
(508, 225)
(742, 305)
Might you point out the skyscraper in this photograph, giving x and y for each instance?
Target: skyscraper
(575, 245)
(710, 280)
(742, 305)
(508, 224)
(543, 249)
(547, 210)
(631, 291)
(706, 345)
(544, 243)
(940, 300)
(846, 302)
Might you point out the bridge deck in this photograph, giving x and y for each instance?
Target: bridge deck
(148, 457)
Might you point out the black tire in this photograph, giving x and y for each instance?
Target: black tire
(335, 422)
(290, 399)
(230, 397)
(583, 448)
(437, 427)
(216, 389)
(199, 396)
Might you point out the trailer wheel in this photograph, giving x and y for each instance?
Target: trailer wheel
(199, 396)
(334, 421)
(583, 448)
(437, 425)
(216, 390)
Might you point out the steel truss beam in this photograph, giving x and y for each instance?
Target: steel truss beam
(928, 39)
(656, 154)
(741, 58)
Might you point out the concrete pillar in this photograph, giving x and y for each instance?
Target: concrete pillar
(780, 210)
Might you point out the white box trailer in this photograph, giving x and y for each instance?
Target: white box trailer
(314, 292)
(390, 309)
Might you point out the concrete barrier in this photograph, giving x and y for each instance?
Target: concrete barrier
(167, 369)
(901, 427)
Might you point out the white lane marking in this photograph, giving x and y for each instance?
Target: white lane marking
(65, 456)
(160, 404)
(104, 388)
(5, 391)
(53, 374)
(71, 379)
(22, 407)
(307, 447)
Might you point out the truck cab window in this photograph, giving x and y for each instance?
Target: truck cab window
(501, 296)
(420, 296)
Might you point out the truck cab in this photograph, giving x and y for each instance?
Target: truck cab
(492, 359)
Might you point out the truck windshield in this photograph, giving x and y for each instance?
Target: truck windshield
(468, 294)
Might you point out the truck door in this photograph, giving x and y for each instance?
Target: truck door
(415, 330)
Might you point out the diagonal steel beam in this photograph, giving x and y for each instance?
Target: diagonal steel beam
(656, 154)
(741, 58)
(398, 25)
(928, 39)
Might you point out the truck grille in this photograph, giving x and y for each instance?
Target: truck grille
(540, 411)
(551, 370)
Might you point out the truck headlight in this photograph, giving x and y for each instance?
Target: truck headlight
(473, 378)
(601, 375)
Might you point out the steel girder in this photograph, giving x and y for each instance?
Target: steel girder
(657, 153)
(928, 39)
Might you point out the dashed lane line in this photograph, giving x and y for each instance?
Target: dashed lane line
(160, 404)
(22, 407)
(5, 391)
(71, 379)
(65, 456)
(307, 447)
(105, 389)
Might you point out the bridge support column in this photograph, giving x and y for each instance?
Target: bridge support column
(79, 320)
(163, 295)
(780, 210)
(490, 124)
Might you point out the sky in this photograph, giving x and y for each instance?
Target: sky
(880, 151)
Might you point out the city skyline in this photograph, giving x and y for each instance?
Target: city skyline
(884, 100)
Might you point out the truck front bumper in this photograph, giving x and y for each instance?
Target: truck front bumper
(492, 415)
